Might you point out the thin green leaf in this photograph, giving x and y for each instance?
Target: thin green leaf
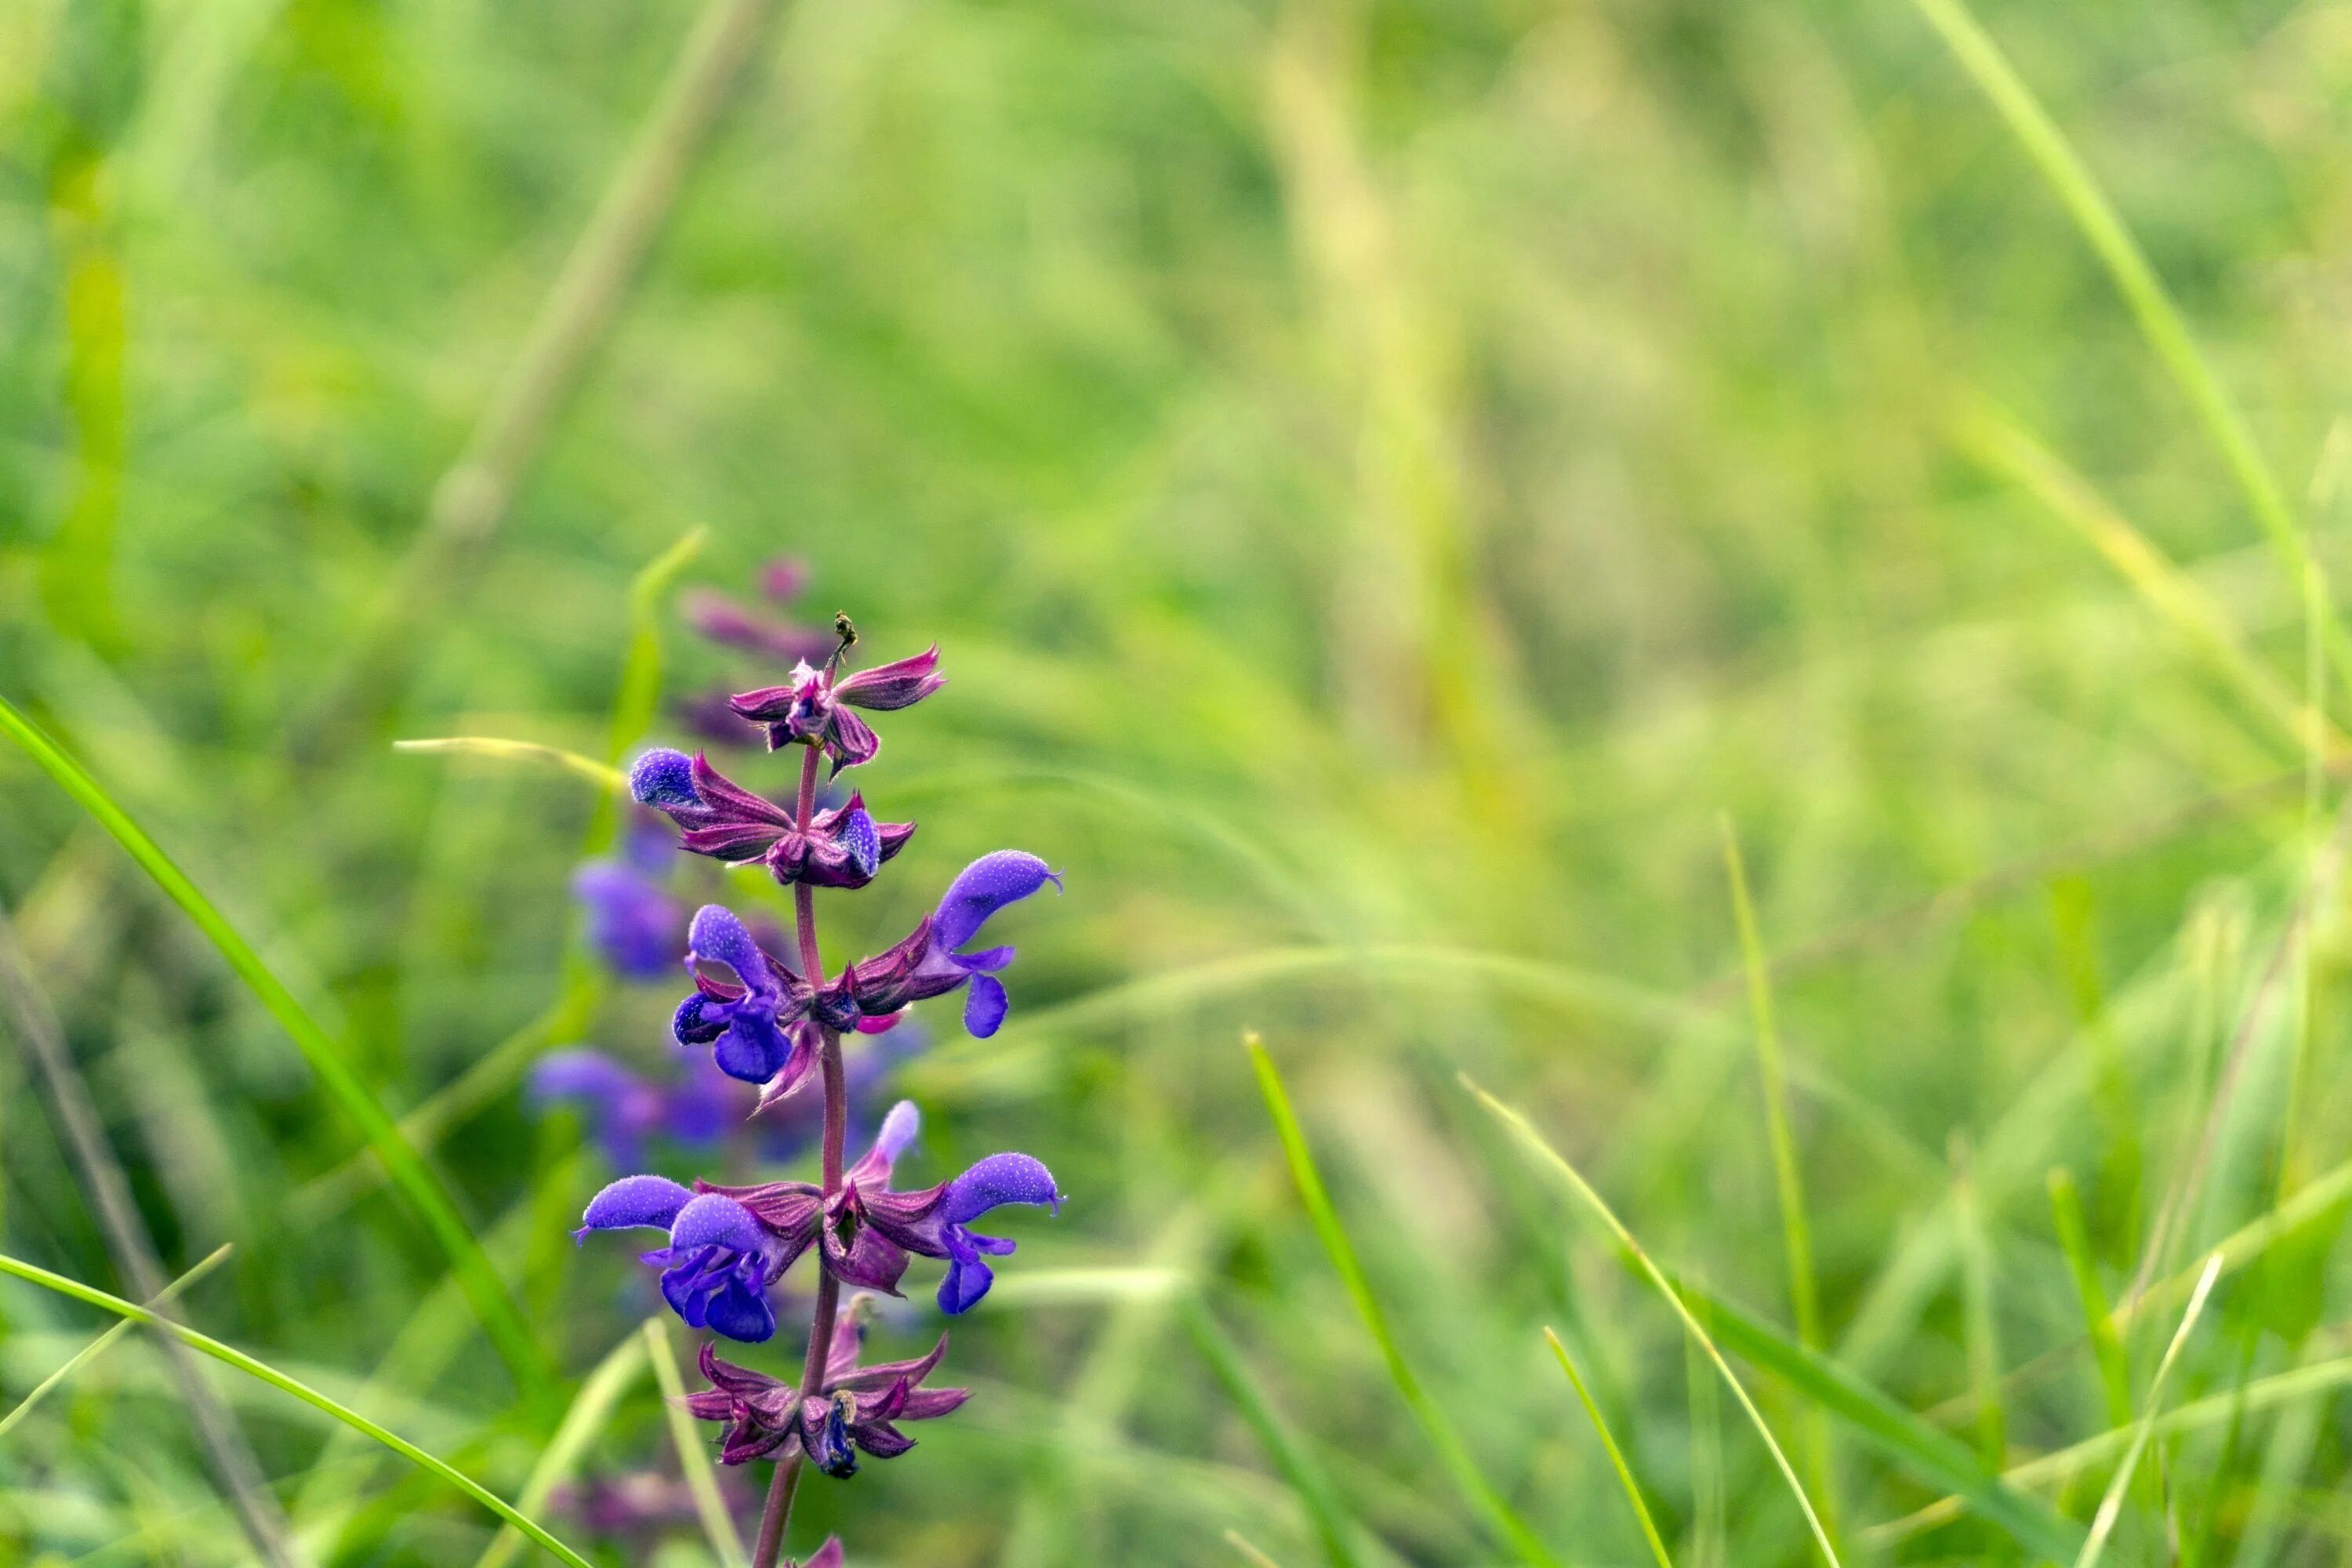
(611, 780)
(1452, 1452)
(416, 1181)
(2106, 1346)
(1796, 1231)
(1331, 1524)
(300, 1390)
(1553, 1160)
(2111, 1505)
(1932, 1455)
(105, 1342)
(592, 1407)
(1616, 1456)
(693, 1459)
(1249, 1551)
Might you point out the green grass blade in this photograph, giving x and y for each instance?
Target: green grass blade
(1553, 1160)
(2151, 304)
(105, 1342)
(1982, 1335)
(416, 1181)
(1452, 1452)
(36, 1275)
(1332, 1528)
(2107, 1345)
(637, 695)
(592, 1407)
(1796, 1229)
(2111, 1505)
(1250, 1552)
(1616, 1455)
(693, 1459)
(1930, 1453)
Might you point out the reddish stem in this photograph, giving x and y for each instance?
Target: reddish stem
(779, 1510)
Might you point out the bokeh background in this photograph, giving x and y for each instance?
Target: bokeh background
(1394, 483)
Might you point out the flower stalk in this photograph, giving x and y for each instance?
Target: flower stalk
(779, 1024)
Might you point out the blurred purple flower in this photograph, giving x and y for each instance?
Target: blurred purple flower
(633, 920)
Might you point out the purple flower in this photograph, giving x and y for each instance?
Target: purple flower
(927, 964)
(754, 1020)
(622, 1109)
(720, 1259)
(856, 1407)
(632, 919)
(810, 709)
(722, 620)
(864, 1234)
(842, 847)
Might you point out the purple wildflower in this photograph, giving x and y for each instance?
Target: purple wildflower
(842, 847)
(621, 1109)
(632, 919)
(812, 708)
(723, 620)
(720, 1259)
(854, 1407)
(756, 1020)
(866, 1231)
(926, 963)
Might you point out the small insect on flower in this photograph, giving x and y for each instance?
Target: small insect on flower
(866, 1231)
(812, 709)
(843, 846)
(854, 1409)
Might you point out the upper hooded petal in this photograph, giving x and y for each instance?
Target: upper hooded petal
(635, 1201)
(717, 937)
(985, 887)
(664, 778)
(714, 1219)
(999, 1179)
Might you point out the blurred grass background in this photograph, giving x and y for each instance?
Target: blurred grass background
(1392, 481)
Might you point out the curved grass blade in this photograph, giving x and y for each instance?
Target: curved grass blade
(718, 1524)
(423, 1191)
(611, 780)
(591, 1409)
(1796, 1231)
(1616, 1456)
(1452, 1452)
(2103, 1524)
(2151, 304)
(1553, 1160)
(1928, 1452)
(35, 1274)
(1250, 1552)
(105, 1342)
(2214, 1410)
(1224, 1359)
(2107, 1345)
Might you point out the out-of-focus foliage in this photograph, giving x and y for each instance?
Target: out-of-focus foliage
(1389, 478)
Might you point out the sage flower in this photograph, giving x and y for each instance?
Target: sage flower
(812, 708)
(856, 1408)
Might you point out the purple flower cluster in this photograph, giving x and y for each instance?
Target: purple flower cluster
(778, 1022)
